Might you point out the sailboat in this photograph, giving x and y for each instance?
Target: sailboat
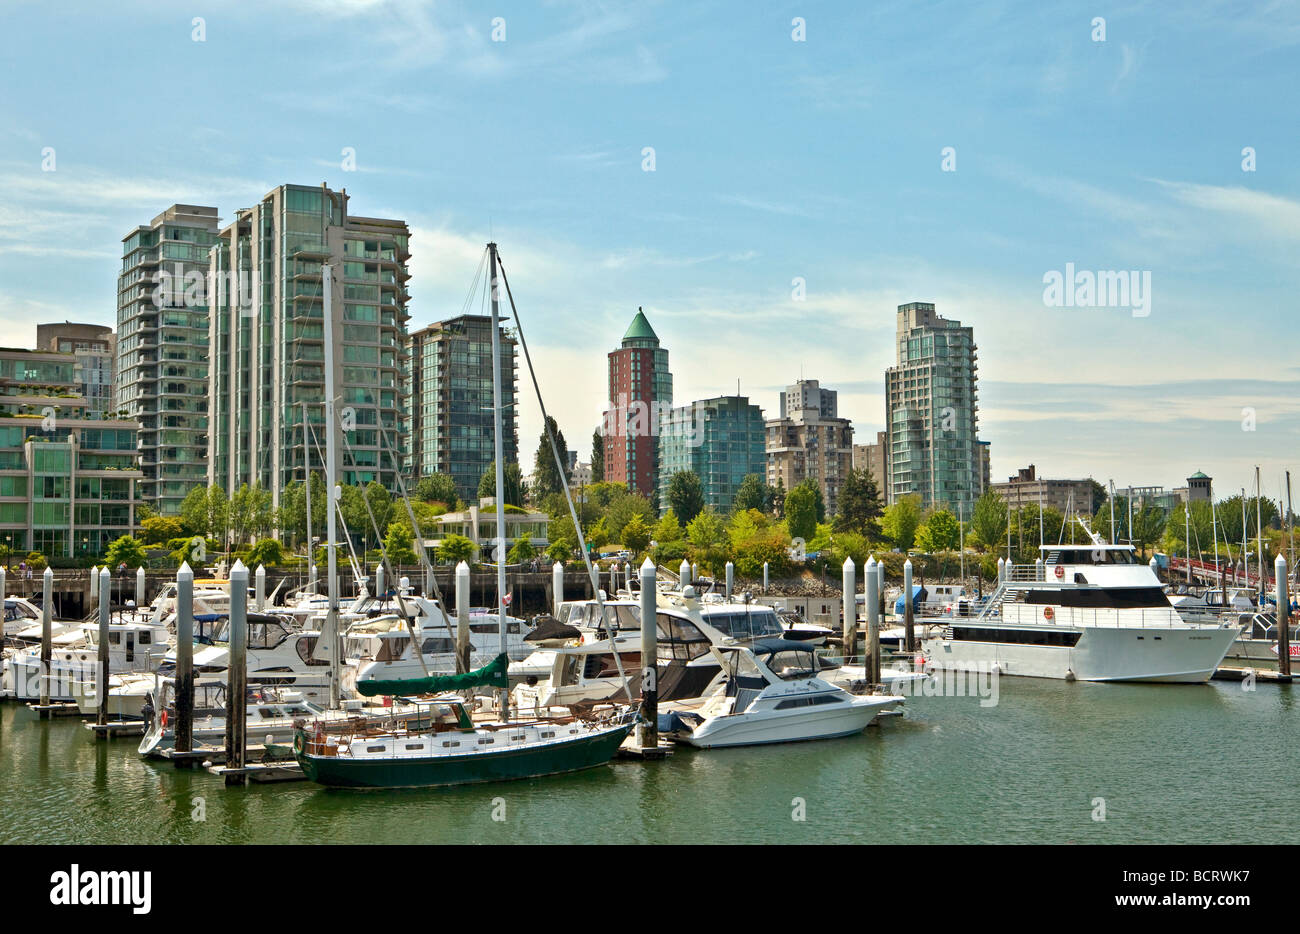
(456, 750)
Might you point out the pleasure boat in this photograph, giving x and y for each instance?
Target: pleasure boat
(769, 692)
(136, 644)
(455, 750)
(1210, 606)
(270, 713)
(382, 648)
(1090, 612)
(1258, 645)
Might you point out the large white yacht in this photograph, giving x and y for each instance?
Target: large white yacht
(1087, 612)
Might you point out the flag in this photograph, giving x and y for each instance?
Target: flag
(505, 601)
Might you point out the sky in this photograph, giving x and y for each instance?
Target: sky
(863, 155)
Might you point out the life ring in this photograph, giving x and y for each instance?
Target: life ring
(1060, 572)
(1048, 613)
(163, 718)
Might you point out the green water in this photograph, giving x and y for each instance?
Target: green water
(1175, 764)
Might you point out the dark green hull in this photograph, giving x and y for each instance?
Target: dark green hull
(432, 772)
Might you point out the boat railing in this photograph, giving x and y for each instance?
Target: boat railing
(1025, 573)
(1093, 617)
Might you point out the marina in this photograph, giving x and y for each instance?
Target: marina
(1176, 764)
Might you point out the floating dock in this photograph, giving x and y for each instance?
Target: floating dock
(1264, 675)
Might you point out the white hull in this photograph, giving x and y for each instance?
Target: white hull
(788, 726)
(1184, 655)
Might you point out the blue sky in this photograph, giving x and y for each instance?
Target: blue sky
(774, 159)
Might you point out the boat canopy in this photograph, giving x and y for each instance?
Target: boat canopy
(493, 675)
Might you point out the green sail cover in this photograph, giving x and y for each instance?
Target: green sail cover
(492, 675)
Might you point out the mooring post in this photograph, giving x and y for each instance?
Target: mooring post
(237, 673)
(139, 588)
(462, 618)
(909, 622)
(849, 600)
(101, 676)
(1283, 618)
(184, 659)
(872, 599)
(765, 572)
(731, 579)
(94, 585)
(47, 625)
(1002, 571)
(311, 583)
(557, 589)
(259, 587)
(649, 652)
(684, 572)
(695, 571)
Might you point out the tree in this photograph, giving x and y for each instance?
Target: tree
(989, 519)
(636, 535)
(667, 529)
(399, 543)
(621, 510)
(521, 552)
(515, 490)
(204, 511)
(708, 537)
(455, 548)
(752, 493)
(597, 456)
(778, 498)
(1148, 526)
(249, 512)
(546, 473)
(158, 530)
(1098, 497)
(125, 550)
(860, 505)
(801, 510)
(438, 488)
(941, 532)
(267, 551)
(686, 495)
(901, 521)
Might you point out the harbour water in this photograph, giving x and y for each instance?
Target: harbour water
(1171, 764)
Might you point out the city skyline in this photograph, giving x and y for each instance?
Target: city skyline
(760, 144)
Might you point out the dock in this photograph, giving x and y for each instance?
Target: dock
(51, 711)
(1262, 675)
(116, 728)
(259, 772)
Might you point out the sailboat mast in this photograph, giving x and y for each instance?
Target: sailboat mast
(1259, 534)
(331, 478)
(499, 450)
(306, 479)
(1290, 529)
(1112, 512)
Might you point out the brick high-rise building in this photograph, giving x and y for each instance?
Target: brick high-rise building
(640, 391)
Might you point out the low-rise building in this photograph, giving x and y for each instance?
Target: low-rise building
(478, 523)
(1028, 489)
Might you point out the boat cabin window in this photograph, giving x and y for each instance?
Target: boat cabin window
(679, 639)
(439, 645)
(792, 664)
(755, 623)
(603, 665)
(114, 638)
(305, 646)
(625, 617)
(144, 637)
(265, 635)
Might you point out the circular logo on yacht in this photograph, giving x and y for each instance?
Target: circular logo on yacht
(1060, 572)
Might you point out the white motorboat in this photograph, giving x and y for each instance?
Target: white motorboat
(1088, 612)
(136, 643)
(1258, 645)
(770, 692)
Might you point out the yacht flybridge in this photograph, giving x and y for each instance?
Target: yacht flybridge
(1090, 612)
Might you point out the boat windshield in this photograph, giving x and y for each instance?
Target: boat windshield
(791, 664)
(758, 622)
